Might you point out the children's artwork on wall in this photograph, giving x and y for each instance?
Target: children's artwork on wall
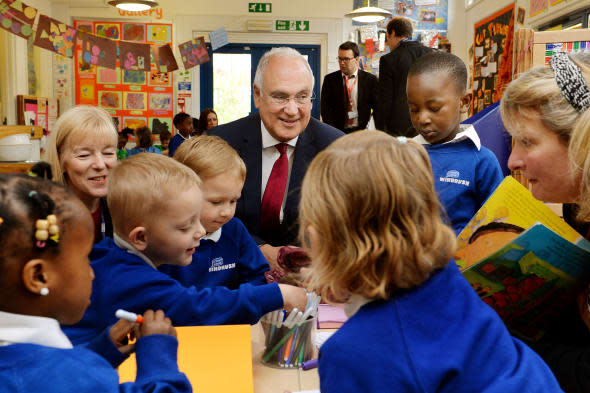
(85, 27)
(492, 57)
(131, 77)
(134, 32)
(427, 16)
(158, 78)
(86, 93)
(108, 76)
(55, 36)
(125, 93)
(108, 30)
(109, 99)
(134, 101)
(133, 56)
(134, 122)
(194, 52)
(160, 101)
(61, 77)
(159, 33)
(159, 124)
(537, 7)
(98, 51)
(164, 59)
(17, 18)
(117, 122)
(404, 8)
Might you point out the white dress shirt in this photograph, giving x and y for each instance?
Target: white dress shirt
(354, 93)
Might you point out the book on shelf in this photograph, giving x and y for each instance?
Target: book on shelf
(522, 259)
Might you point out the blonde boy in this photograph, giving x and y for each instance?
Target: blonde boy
(228, 255)
(155, 203)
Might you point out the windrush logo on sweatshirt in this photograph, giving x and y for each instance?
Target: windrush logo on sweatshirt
(452, 176)
(217, 265)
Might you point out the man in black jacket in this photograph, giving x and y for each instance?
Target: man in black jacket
(393, 114)
(349, 95)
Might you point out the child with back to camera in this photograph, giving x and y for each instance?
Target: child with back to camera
(227, 255)
(45, 279)
(370, 219)
(126, 266)
(465, 172)
(144, 143)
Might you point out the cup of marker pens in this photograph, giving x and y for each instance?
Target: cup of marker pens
(288, 345)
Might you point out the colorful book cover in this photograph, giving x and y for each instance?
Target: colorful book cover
(522, 259)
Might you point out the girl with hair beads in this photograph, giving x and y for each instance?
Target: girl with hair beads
(46, 234)
(371, 222)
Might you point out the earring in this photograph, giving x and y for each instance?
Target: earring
(44, 291)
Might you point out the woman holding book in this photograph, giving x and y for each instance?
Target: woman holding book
(546, 110)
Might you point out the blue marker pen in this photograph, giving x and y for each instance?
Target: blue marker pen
(313, 363)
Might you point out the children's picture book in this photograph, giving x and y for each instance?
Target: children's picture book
(522, 259)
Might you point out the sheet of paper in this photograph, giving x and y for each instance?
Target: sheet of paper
(218, 38)
(492, 68)
(478, 51)
(206, 354)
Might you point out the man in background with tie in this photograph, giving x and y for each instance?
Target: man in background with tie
(349, 95)
(277, 144)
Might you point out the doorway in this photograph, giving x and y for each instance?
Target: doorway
(226, 81)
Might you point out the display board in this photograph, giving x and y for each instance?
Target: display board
(492, 57)
(37, 111)
(134, 98)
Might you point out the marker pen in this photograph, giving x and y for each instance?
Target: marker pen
(128, 316)
(313, 363)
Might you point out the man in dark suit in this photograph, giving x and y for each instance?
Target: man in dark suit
(349, 95)
(277, 144)
(394, 115)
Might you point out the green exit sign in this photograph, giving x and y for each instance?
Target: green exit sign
(292, 25)
(260, 7)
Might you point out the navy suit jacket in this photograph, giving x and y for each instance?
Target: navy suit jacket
(244, 135)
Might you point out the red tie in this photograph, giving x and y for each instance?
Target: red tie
(348, 121)
(272, 200)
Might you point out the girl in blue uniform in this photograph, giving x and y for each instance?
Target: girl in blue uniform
(46, 234)
(371, 220)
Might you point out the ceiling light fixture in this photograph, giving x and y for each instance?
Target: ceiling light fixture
(134, 5)
(368, 14)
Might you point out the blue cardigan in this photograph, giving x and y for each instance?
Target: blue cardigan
(233, 260)
(438, 337)
(464, 178)
(123, 280)
(26, 368)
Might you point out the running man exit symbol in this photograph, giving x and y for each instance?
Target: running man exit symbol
(260, 7)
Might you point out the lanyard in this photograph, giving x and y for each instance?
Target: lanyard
(349, 89)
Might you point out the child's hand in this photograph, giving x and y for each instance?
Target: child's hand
(155, 323)
(271, 253)
(293, 297)
(119, 333)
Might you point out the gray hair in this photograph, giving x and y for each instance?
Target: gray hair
(283, 51)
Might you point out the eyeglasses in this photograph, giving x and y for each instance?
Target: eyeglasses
(282, 100)
(345, 59)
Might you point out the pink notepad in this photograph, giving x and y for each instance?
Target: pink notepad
(331, 317)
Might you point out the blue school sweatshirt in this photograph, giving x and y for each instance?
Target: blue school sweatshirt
(464, 178)
(124, 280)
(228, 257)
(438, 337)
(174, 143)
(27, 368)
